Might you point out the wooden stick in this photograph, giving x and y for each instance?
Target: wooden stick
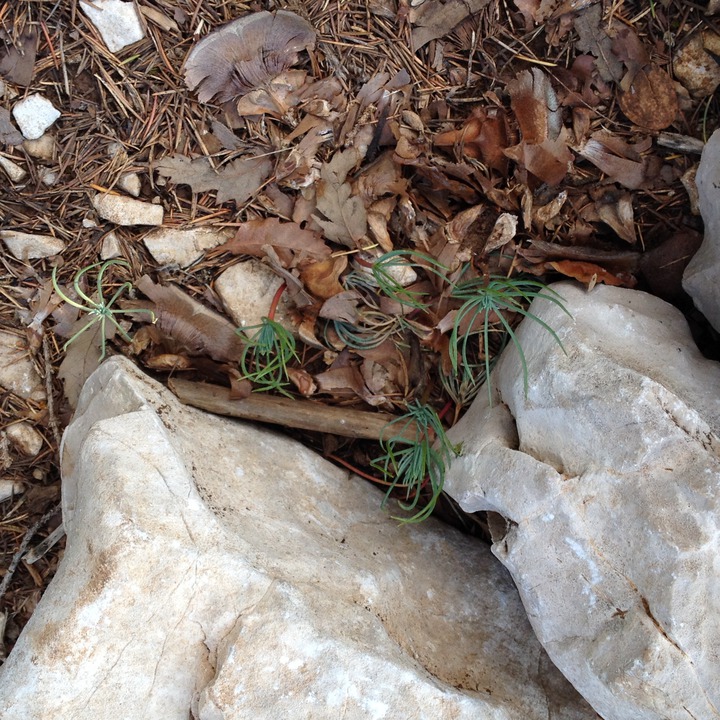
(304, 414)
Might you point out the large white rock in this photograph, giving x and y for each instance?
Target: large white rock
(701, 279)
(216, 570)
(607, 478)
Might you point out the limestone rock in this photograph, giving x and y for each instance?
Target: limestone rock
(694, 64)
(217, 570)
(130, 183)
(606, 481)
(44, 148)
(117, 22)
(25, 438)
(170, 246)
(28, 246)
(17, 370)
(12, 169)
(247, 289)
(123, 210)
(34, 115)
(701, 279)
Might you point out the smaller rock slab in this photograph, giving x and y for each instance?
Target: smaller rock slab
(28, 246)
(117, 22)
(17, 370)
(171, 246)
(123, 210)
(607, 476)
(701, 279)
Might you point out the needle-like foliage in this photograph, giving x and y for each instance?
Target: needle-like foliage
(97, 308)
(265, 357)
(418, 462)
(486, 301)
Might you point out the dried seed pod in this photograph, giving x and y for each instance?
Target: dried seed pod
(246, 53)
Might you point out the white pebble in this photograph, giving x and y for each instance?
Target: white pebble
(34, 115)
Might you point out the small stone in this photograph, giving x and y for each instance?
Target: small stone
(695, 66)
(13, 170)
(130, 183)
(169, 246)
(27, 246)
(48, 177)
(127, 211)
(117, 22)
(34, 115)
(246, 291)
(25, 439)
(110, 247)
(17, 370)
(9, 488)
(43, 148)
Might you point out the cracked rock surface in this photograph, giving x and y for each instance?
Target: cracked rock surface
(215, 570)
(606, 480)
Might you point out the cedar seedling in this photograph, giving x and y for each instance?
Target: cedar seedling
(491, 298)
(268, 351)
(414, 463)
(99, 310)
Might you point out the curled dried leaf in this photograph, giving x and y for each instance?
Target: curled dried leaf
(246, 53)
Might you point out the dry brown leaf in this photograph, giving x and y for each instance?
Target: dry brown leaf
(246, 53)
(82, 358)
(536, 106)
(650, 100)
(9, 134)
(594, 38)
(616, 210)
(303, 381)
(628, 173)
(588, 273)
(291, 243)
(199, 329)
(343, 217)
(17, 60)
(432, 20)
(239, 180)
(342, 306)
(550, 161)
(483, 137)
(275, 98)
(321, 278)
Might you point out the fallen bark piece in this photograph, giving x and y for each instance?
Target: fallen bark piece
(302, 414)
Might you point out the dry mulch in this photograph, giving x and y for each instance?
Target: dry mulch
(462, 79)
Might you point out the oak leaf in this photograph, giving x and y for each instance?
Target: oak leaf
(239, 180)
(290, 242)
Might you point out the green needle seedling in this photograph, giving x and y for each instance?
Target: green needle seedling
(491, 298)
(99, 310)
(266, 355)
(414, 463)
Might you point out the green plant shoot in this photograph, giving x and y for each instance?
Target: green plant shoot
(415, 463)
(99, 310)
(266, 355)
(484, 299)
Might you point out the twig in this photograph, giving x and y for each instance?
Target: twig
(303, 414)
(18, 556)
